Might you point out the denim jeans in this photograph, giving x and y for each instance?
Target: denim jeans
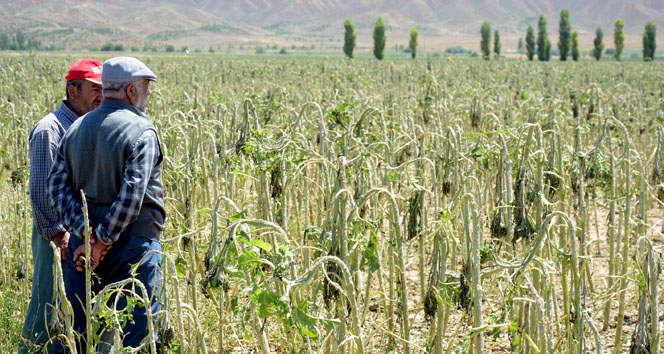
(35, 333)
(125, 254)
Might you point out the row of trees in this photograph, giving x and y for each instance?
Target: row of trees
(568, 42)
(379, 39)
(566, 37)
(485, 44)
(18, 41)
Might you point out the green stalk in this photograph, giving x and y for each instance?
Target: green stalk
(59, 296)
(87, 234)
(476, 280)
(627, 172)
(655, 331)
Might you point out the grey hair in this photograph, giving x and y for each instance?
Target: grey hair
(118, 90)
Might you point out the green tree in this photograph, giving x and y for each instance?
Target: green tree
(349, 38)
(542, 39)
(4, 41)
(575, 46)
(20, 40)
(564, 31)
(34, 44)
(170, 48)
(496, 43)
(412, 44)
(599, 44)
(649, 44)
(485, 44)
(530, 42)
(619, 38)
(520, 45)
(379, 38)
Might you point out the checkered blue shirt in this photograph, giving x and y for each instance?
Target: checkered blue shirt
(140, 168)
(44, 140)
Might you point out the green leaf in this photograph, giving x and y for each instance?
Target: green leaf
(512, 327)
(370, 254)
(307, 324)
(239, 216)
(176, 349)
(270, 303)
(308, 333)
(262, 245)
(180, 266)
(330, 324)
(247, 260)
(239, 174)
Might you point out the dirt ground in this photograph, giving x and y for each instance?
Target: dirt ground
(459, 325)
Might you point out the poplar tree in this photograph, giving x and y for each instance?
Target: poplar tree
(412, 44)
(530, 42)
(349, 38)
(543, 43)
(649, 44)
(599, 44)
(496, 43)
(575, 46)
(619, 38)
(564, 31)
(4, 41)
(379, 38)
(20, 40)
(485, 44)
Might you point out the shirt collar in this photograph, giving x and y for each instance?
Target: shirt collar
(66, 113)
(115, 104)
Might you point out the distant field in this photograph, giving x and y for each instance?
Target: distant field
(319, 204)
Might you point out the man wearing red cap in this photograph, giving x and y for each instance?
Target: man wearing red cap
(83, 91)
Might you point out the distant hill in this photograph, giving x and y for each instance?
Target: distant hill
(80, 24)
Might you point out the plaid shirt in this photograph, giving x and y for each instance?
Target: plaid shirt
(140, 168)
(44, 140)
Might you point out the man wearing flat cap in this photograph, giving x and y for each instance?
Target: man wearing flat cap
(83, 90)
(113, 155)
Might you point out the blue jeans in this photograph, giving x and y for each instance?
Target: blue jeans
(35, 333)
(128, 251)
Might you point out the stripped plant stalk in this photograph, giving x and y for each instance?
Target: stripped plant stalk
(627, 219)
(87, 234)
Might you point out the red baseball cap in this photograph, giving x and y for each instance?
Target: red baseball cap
(88, 69)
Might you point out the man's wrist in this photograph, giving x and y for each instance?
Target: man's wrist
(51, 232)
(102, 236)
(100, 246)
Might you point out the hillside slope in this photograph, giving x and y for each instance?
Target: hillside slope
(209, 22)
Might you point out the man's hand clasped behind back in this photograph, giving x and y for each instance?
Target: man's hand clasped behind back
(98, 250)
(61, 240)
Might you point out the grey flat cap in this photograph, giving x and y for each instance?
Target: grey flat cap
(125, 69)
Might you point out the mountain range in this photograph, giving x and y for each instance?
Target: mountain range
(78, 24)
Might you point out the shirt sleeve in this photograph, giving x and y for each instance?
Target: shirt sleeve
(127, 205)
(60, 194)
(43, 145)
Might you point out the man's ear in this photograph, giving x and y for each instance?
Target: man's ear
(132, 93)
(72, 91)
